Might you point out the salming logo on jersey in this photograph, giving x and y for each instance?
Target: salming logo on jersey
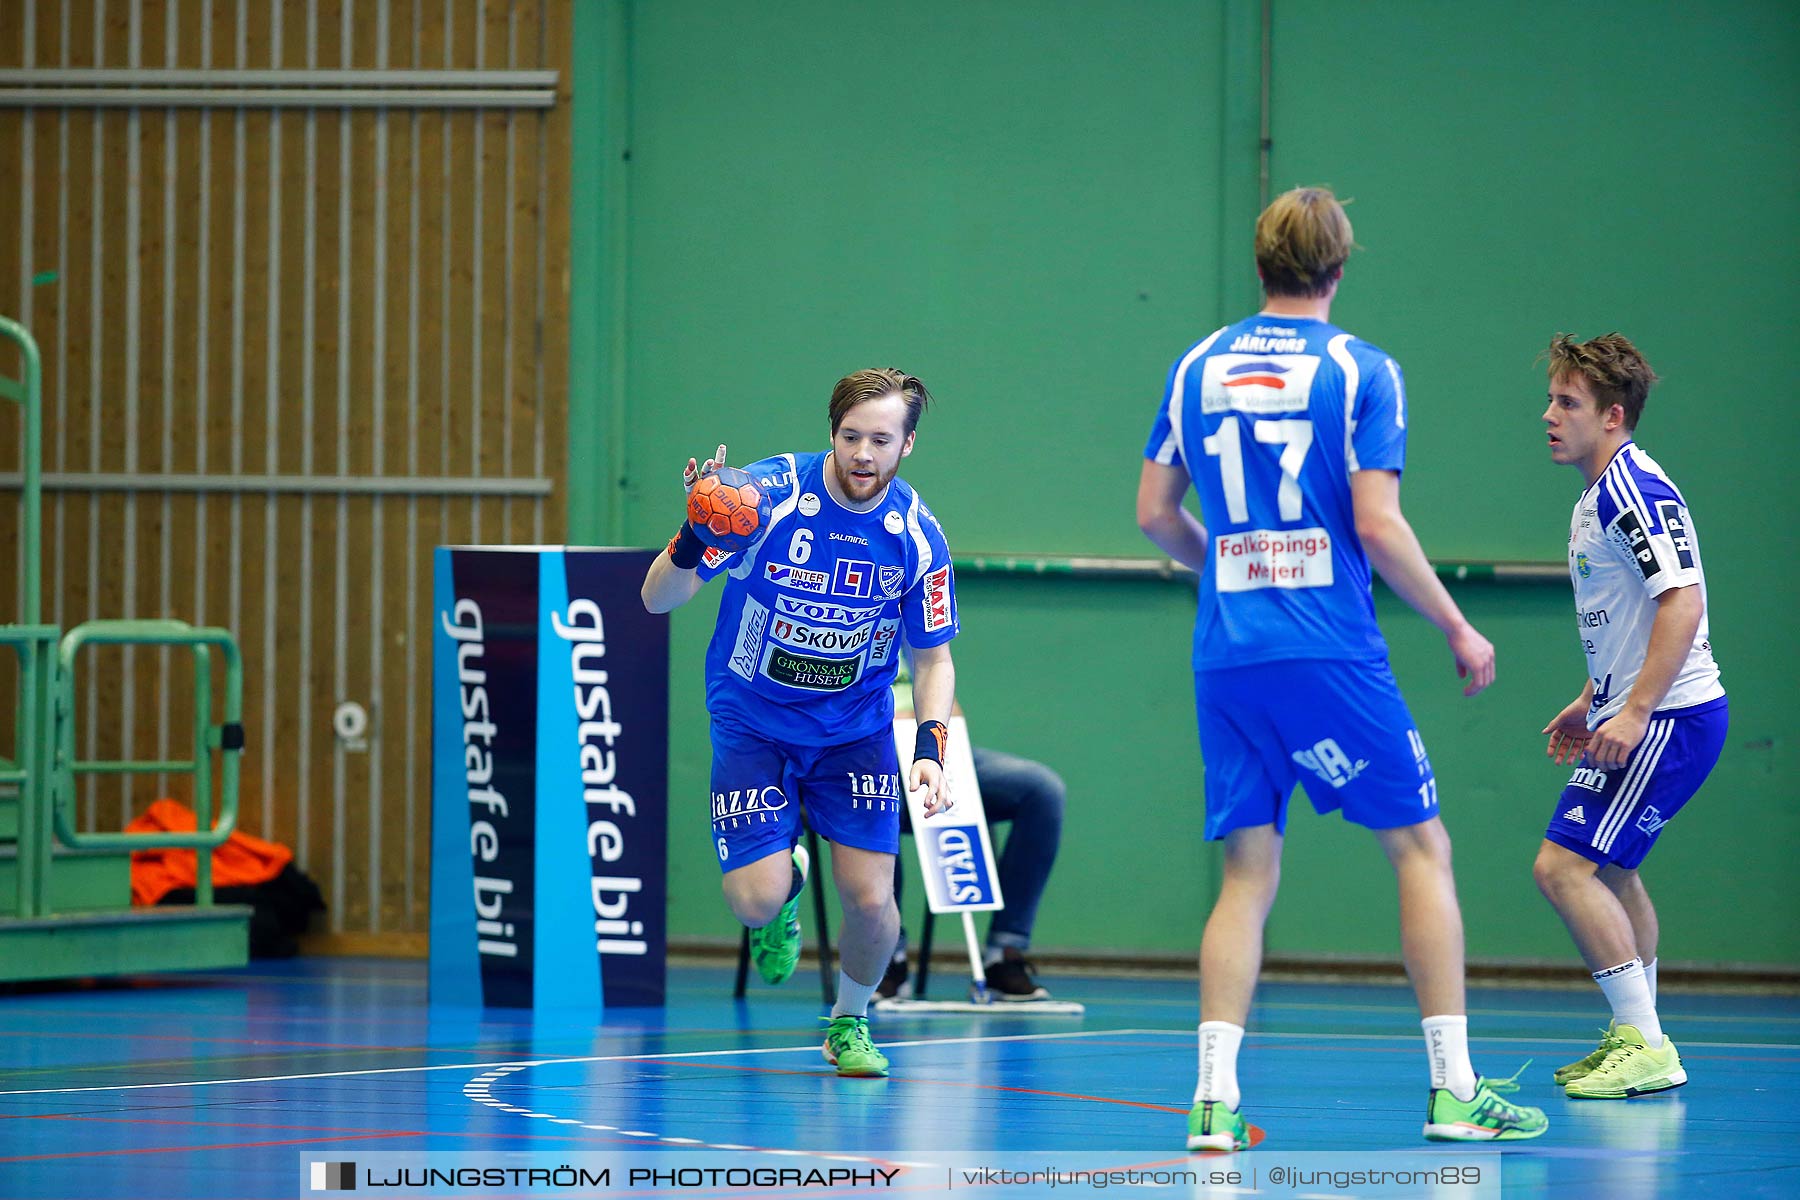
(1630, 540)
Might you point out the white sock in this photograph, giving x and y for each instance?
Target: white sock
(1447, 1053)
(1650, 978)
(1219, 1042)
(852, 997)
(1627, 989)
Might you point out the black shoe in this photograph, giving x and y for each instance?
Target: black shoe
(894, 983)
(1015, 980)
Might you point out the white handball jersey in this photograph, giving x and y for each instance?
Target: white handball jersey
(1630, 541)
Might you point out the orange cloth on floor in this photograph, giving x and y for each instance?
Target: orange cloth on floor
(242, 861)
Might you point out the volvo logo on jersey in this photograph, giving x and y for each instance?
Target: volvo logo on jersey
(549, 780)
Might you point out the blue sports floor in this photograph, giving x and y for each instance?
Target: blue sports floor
(219, 1085)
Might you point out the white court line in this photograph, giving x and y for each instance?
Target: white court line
(521, 1064)
(813, 1048)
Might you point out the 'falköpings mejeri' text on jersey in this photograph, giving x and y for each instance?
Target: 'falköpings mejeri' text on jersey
(1630, 540)
(806, 647)
(1270, 417)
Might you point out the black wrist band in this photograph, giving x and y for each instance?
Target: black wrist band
(685, 548)
(933, 738)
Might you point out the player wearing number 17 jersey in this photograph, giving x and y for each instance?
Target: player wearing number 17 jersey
(1293, 434)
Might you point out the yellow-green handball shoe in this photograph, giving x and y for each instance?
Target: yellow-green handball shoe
(775, 948)
(1484, 1117)
(1631, 1068)
(1609, 1039)
(850, 1049)
(1213, 1126)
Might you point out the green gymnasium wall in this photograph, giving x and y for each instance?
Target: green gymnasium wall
(1037, 206)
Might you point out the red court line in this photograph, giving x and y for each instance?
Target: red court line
(991, 1087)
(527, 1137)
(361, 1137)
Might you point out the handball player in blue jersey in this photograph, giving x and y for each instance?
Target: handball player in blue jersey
(1650, 723)
(1293, 433)
(798, 686)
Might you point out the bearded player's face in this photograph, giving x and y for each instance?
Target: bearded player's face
(868, 444)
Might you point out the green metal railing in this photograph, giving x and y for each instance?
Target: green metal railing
(26, 391)
(227, 738)
(24, 778)
(41, 779)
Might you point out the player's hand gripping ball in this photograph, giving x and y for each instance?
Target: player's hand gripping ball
(729, 509)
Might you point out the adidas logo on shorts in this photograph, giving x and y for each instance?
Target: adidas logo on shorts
(1576, 815)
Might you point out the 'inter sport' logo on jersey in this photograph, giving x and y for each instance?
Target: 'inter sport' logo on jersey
(798, 578)
(1257, 383)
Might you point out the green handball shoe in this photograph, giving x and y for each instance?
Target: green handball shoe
(849, 1048)
(1485, 1117)
(775, 948)
(1212, 1126)
(1609, 1041)
(1631, 1068)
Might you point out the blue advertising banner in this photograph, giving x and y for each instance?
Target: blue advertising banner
(549, 780)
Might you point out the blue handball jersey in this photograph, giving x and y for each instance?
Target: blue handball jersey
(806, 650)
(1270, 417)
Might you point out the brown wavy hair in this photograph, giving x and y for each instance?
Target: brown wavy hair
(874, 383)
(1615, 370)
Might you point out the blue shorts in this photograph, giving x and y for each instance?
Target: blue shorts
(851, 794)
(1615, 816)
(1341, 727)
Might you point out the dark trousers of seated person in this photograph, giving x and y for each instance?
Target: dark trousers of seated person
(1028, 796)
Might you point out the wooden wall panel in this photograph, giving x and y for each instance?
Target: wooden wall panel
(302, 293)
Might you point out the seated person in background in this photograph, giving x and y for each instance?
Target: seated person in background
(1029, 796)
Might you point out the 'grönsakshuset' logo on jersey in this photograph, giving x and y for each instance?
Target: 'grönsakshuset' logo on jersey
(937, 599)
(853, 577)
(798, 578)
(892, 580)
(813, 674)
(825, 610)
(828, 641)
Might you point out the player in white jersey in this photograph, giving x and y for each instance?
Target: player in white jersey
(1293, 433)
(1651, 721)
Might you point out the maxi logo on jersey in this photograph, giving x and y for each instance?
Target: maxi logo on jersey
(1257, 383)
(937, 600)
(798, 578)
